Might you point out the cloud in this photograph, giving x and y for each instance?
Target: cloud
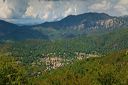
(5, 12)
(12, 8)
(101, 6)
(49, 10)
(121, 7)
(39, 10)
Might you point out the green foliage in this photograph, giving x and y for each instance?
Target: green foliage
(16, 59)
(90, 72)
(108, 70)
(12, 73)
(31, 50)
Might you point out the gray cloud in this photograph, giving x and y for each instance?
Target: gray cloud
(49, 10)
(12, 8)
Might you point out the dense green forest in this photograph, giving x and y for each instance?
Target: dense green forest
(18, 58)
(30, 50)
(108, 70)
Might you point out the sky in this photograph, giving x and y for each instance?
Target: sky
(51, 10)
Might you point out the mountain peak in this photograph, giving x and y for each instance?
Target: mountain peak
(73, 20)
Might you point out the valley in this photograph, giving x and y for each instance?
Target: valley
(85, 49)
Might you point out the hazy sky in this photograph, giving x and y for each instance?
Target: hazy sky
(48, 10)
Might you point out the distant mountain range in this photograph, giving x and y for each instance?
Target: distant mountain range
(9, 31)
(69, 27)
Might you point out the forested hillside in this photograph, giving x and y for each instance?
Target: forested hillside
(107, 70)
(63, 42)
(30, 50)
(92, 59)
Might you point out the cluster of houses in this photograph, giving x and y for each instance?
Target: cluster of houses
(127, 52)
(54, 62)
(81, 56)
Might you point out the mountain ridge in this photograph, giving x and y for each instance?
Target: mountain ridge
(69, 27)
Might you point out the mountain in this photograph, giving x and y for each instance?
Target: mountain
(69, 27)
(89, 21)
(9, 31)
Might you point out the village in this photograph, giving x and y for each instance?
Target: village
(54, 62)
